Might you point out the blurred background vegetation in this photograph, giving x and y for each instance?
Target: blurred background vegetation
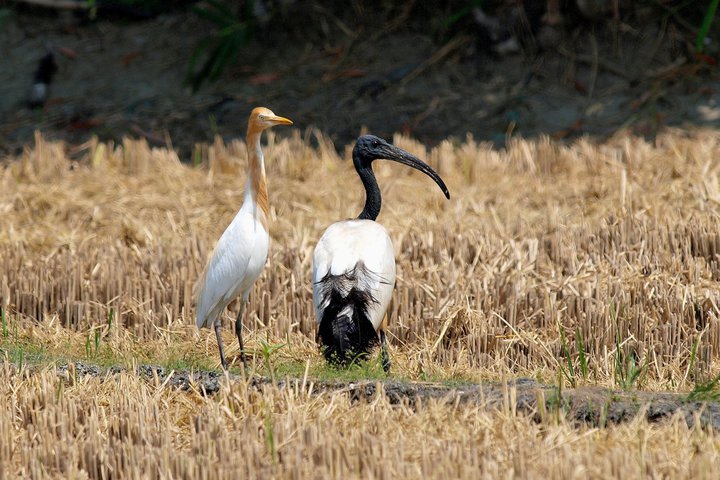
(235, 23)
(494, 68)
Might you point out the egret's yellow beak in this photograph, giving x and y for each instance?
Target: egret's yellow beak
(280, 120)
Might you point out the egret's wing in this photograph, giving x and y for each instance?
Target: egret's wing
(224, 274)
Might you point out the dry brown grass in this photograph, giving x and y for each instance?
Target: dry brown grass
(618, 242)
(128, 428)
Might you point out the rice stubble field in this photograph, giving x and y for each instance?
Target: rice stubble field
(558, 281)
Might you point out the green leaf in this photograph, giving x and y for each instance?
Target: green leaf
(571, 375)
(4, 322)
(459, 14)
(583, 360)
(705, 27)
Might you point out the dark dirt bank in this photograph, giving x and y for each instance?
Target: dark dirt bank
(587, 405)
(340, 70)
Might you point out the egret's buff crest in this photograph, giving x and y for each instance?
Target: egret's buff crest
(261, 119)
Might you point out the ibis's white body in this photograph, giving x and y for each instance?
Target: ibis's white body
(237, 261)
(345, 244)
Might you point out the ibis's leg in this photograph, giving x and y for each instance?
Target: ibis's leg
(238, 332)
(220, 345)
(384, 352)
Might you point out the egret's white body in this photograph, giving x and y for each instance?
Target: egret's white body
(341, 248)
(241, 252)
(237, 261)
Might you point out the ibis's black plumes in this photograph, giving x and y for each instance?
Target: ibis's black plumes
(369, 148)
(346, 332)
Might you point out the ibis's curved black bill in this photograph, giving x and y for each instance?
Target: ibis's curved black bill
(369, 148)
(391, 152)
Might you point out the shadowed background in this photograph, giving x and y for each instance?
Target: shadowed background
(492, 68)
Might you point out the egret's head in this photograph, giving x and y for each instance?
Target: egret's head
(262, 118)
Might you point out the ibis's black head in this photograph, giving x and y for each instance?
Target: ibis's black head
(369, 148)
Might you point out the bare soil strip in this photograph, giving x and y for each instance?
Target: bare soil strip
(591, 406)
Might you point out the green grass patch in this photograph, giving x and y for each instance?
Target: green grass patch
(180, 361)
(23, 351)
(707, 391)
(24, 354)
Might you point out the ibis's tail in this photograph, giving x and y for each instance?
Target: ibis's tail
(346, 331)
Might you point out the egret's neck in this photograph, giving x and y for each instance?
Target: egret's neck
(256, 188)
(373, 200)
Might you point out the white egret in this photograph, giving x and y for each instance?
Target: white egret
(241, 252)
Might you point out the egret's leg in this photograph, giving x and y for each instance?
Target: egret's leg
(220, 345)
(238, 332)
(384, 350)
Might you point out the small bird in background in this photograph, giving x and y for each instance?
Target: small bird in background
(240, 254)
(354, 266)
(42, 77)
